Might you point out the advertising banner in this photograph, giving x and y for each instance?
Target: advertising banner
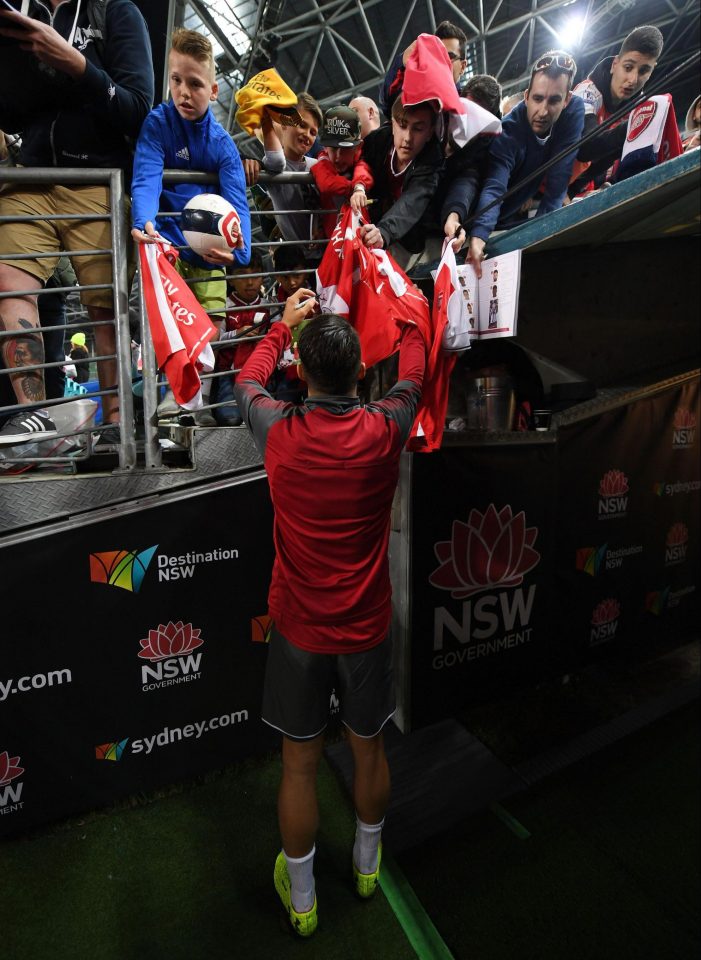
(481, 571)
(133, 652)
(627, 534)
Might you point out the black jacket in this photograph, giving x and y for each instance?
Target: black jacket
(412, 216)
(85, 122)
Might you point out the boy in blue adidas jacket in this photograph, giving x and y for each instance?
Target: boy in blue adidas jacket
(183, 134)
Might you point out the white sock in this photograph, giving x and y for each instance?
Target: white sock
(301, 871)
(367, 840)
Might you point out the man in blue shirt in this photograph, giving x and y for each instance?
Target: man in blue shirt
(548, 121)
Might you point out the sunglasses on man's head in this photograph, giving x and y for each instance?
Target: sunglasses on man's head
(562, 60)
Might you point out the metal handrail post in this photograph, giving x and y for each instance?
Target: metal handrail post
(153, 456)
(127, 439)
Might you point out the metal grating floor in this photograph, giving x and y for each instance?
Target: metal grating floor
(28, 502)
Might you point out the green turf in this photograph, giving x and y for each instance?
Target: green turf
(185, 877)
(610, 869)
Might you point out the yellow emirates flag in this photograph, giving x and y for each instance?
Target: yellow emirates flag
(266, 91)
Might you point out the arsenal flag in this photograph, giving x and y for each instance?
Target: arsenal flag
(180, 328)
(376, 296)
(652, 136)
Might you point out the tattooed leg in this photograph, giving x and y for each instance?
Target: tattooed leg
(24, 350)
(107, 371)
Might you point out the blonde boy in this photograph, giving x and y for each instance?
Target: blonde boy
(183, 134)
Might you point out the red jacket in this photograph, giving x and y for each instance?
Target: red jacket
(332, 467)
(334, 188)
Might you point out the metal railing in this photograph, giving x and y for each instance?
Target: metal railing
(152, 383)
(117, 251)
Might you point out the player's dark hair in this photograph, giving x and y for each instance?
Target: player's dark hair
(646, 40)
(400, 112)
(484, 90)
(329, 350)
(448, 31)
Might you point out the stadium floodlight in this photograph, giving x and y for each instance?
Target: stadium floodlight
(572, 32)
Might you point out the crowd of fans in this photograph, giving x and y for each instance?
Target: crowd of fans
(437, 159)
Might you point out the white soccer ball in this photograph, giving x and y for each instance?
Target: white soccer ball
(209, 220)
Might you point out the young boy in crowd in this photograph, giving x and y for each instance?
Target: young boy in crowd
(286, 149)
(183, 134)
(244, 315)
(340, 173)
(612, 82)
(405, 159)
(291, 274)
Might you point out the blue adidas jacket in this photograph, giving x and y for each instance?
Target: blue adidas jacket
(514, 154)
(168, 141)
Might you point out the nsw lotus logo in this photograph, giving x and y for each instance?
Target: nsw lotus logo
(684, 433)
(613, 489)
(493, 549)
(168, 650)
(10, 793)
(676, 544)
(604, 621)
(170, 640)
(121, 568)
(111, 751)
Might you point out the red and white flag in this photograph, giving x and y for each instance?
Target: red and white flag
(180, 328)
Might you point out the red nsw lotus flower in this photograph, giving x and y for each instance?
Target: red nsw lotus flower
(613, 484)
(170, 641)
(684, 419)
(8, 768)
(490, 550)
(677, 534)
(605, 612)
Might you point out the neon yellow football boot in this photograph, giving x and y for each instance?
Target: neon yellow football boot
(366, 883)
(303, 924)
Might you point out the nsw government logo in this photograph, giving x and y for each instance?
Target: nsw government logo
(676, 544)
(121, 568)
(684, 434)
(490, 554)
(613, 499)
(168, 649)
(604, 621)
(10, 784)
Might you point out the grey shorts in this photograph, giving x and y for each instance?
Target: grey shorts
(303, 689)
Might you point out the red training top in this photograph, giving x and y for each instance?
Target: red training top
(332, 467)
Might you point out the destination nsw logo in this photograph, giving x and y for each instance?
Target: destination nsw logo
(676, 544)
(684, 433)
(10, 792)
(168, 650)
(490, 554)
(111, 751)
(613, 500)
(604, 621)
(593, 560)
(121, 568)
